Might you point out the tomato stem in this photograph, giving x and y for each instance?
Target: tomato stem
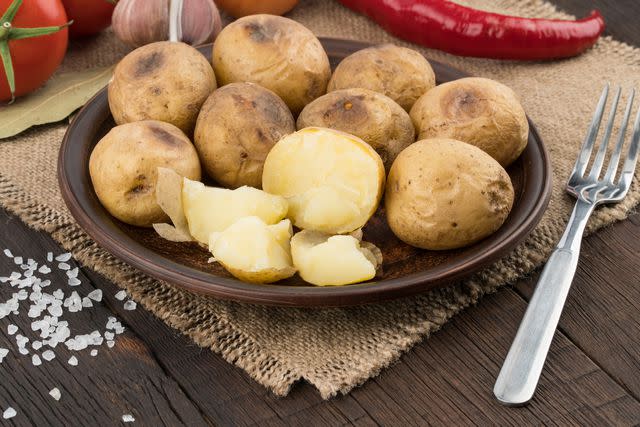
(8, 32)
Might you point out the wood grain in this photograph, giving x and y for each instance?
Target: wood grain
(592, 376)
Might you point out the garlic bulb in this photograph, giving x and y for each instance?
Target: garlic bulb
(139, 22)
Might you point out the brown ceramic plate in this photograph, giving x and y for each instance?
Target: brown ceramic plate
(405, 271)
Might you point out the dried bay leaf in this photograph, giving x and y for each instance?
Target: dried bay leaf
(55, 101)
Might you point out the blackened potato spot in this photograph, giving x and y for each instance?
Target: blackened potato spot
(149, 63)
(164, 136)
(464, 103)
(258, 32)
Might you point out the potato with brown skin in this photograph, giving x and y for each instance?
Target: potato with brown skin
(369, 115)
(274, 52)
(446, 194)
(479, 111)
(124, 168)
(236, 129)
(400, 73)
(163, 81)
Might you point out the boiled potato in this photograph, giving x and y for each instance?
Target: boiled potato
(333, 181)
(254, 251)
(210, 209)
(401, 74)
(369, 115)
(479, 111)
(326, 260)
(446, 194)
(169, 198)
(274, 52)
(236, 128)
(124, 168)
(163, 81)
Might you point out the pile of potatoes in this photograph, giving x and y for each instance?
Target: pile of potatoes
(292, 145)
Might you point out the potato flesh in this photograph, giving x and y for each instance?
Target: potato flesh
(332, 180)
(253, 251)
(326, 260)
(210, 209)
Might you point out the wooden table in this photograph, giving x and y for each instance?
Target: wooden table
(592, 374)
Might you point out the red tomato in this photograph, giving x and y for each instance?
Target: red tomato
(89, 16)
(36, 58)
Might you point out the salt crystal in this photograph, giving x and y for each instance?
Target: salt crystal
(119, 329)
(21, 340)
(94, 352)
(3, 353)
(63, 266)
(35, 359)
(86, 302)
(63, 257)
(12, 329)
(72, 273)
(73, 361)
(128, 418)
(18, 260)
(55, 393)
(48, 355)
(36, 345)
(28, 273)
(49, 256)
(31, 261)
(109, 335)
(45, 283)
(58, 294)
(120, 295)
(44, 269)
(55, 310)
(23, 351)
(10, 413)
(96, 295)
(74, 281)
(130, 305)
(110, 343)
(8, 253)
(22, 295)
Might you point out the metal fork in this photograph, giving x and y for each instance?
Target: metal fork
(521, 370)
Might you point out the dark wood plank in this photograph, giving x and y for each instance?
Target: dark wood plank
(602, 312)
(121, 380)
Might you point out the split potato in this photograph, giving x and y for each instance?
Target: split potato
(400, 73)
(326, 260)
(275, 52)
(124, 168)
(333, 181)
(254, 251)
(369, 115)
(236, 128)
(446, 194)
(479, 111)
(169, 198)
(210, 209)
(163, 81)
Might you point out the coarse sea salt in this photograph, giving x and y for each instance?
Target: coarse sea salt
(94, 352)
(3, 353)
(128, 418)
(95, 295)
(74, 281)
(72, 273)
(55, 393)
(121, 295)
(63, 266)
(73, 361)
(9, 413)
(130, 305)
(44, 269)
(48, 355)
(49, 256)
(12, 329)
(64, 257)
(35, 359)
(8, 253)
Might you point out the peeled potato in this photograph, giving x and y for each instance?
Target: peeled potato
(253, 251)
(169, 198)
(326, 260)
(210, 209)
(333, 181)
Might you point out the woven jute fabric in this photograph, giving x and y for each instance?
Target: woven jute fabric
(338, 349)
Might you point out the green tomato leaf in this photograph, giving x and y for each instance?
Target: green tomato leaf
(60, 97)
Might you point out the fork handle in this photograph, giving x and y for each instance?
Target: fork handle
(521, 370)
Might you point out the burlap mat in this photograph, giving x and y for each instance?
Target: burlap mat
(337, 349)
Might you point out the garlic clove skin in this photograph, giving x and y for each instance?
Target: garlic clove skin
(140, 22)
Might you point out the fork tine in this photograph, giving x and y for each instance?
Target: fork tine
(632, 157)
(602, 149)
(589, 140)
(615, 156)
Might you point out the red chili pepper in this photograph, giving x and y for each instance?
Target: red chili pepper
(457, 29)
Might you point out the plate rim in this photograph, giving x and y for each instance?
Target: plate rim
(294, 296)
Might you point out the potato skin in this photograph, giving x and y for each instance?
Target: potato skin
(161, 81)
(236, 129)
(124, 168)
(478, 111)
(274, 52)
(369, 115)
(400, 73)
(446, 194)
